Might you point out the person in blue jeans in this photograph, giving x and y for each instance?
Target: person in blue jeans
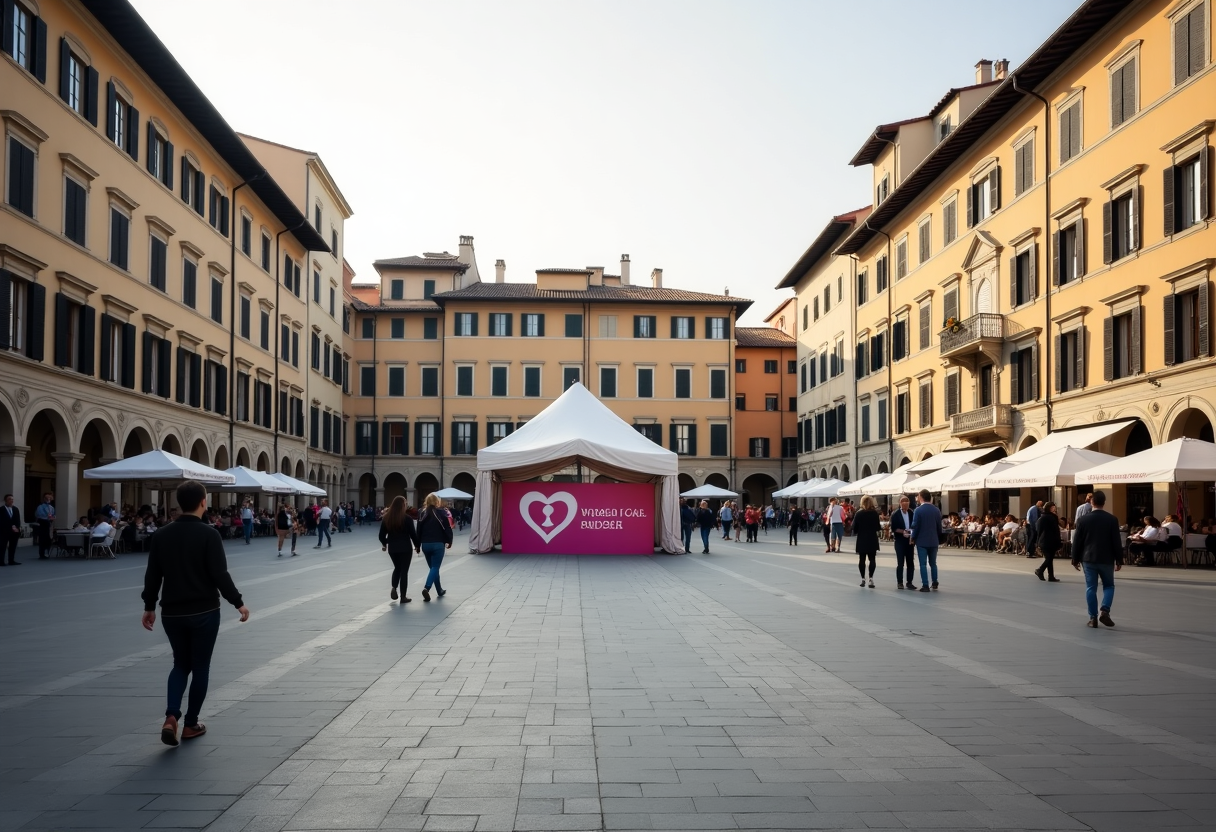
(926, 537)
(247, 520)
(435, 537)
(1098, 550)
(705, 520)
(688, 520)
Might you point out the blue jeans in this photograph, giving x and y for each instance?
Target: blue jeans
(705, 538)
(687, 530)
(927, 555)
(248, 524)
(323, 533)
(837, 531)
(192, 638)
(433, 552)
(1094, 572)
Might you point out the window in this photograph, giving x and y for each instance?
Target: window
(194, 184)
(827, 299)
(160, 157)
(1023, 167)
(463, 441)
(717, 384)
(264, 329)
(265, 252)
(245, 309)
(368, 327)
(1070, 361)
(464, 381)
(816, 306)
(861, 359)
(865, 422)
(396, 290)
(218, 215)
(926, 403)
(770, 366)
(430, 382)
(758, 447)
(1023, 277)
(881, 408)
(246, 235)
(1186, 192)
(684, 439)
(396, 328)
(498, 431)
(1120, 226)
(189, 377)
(718, 440)
(189, 282)
(1070, 131)
(1123, 97)
(717, 329)
(683, 383)
(532, 325)
(838, 354)
(901, 259)
(500, 324)
(882, 274)
(365, 438)
(878, 352)
(316, 217)
(607, 382)
(791, 367)
(333, 243)
(882, 190)
(682, 327)
(20, 176)
(863, 288)
(740, 401)
(984, 197)
(643, 326)
(464, 324)
(396, 381)
(120, 237)
(949, 222)
(430, 329)
(532, 382)
(607, 325)
(574, 326)
(645, 382)
(77, 82)
(899, 339)
(395, 443)
(924, 233)
(570, 377)
(316, 286)
(367, 381)
(1070, 252)
(925, 313)
(1190, 44)
(839, 288)
(804, 318)
(498, 381)
(652, 432)
(740, 365)
(75, 202)
(943, 129)
(950, 304)
(25, 40)
(953, 395)
(770, 403)
(1024, 374)
(903, 412)
(117, 352)
(1187, 325)
(315, 343)
(428, 289)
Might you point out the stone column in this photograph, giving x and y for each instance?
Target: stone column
(379, 497)
(12, 476)
(411, 496)
(67, 479)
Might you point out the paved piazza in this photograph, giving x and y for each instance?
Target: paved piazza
(754, 688)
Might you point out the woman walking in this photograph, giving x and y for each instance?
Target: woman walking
(283, 521)
(399, 537)
(434, 535)
(865, 528)
(1047, 536)
(794, 521)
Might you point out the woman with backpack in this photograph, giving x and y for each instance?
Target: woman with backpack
(399, 537)
(435, 536)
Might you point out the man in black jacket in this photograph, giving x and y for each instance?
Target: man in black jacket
(688, 520)
(187, 557)
(1097, 548)
(10, 531)
(905, 552)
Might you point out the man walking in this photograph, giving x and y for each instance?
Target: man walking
(901, 535)
(247, 520)
(725, 515)
(688, 519)
(1098, 551)
(187, 569)
(45, 515)
(1032, 528)
(705, 519)
(324, 514)
(10, 532)
(1083, 509)
(927, 537)
(836, 519)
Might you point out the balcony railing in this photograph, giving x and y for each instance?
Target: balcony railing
(981, 327)
(995, 418)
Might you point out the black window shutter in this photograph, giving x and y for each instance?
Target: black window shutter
(1059, 387)
(224, 205)
(1034, 371)
(1203, 310)
(111, 100)
(994, 189)
(133, 133)
(1129, 89)
(1013, 282)
(1079, 244)
(1169, 176)
(1032, 275)
(39, 47)
(1015, 372)
(1057, 263)
(196, 379)
(167, 167)
(187, 181)
(637, 326)
(91, 83)
(1198, 38)
(6, 21)
(146, 368)
(163, 369)
(1137, 331)
(385, 436)
(1108, 348)
(474, 332)
(88, 333)
(209, 378)
(692, 440)
(200, 188)
(674, 325)
(673, 435)
(952, 397)
(1079, 357)
(970, 205)
(1107, 232)
(1205, 164)
(182, 359)
(842, 424)
(859, 361)
(1134, 243)
(221, 391)
(107, 324)
(65, 59)
(1182, 52)
(417, 437)
(63, 325)
(35, 337)
(6, 309)
(1116, 98)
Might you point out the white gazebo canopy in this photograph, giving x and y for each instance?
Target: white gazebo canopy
(1072, 438)
(246, 479)
(934, 480)
(576, 428)
(1058, 467)
(709, 492)
(1180, 460)
(949, 459)
(159, 470)
(299, 486)
(797, 488)
(894, 483)
(856, 489)
(977, 478)
(452, 494)
(824, 488)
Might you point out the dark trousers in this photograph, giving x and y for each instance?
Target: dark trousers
(905, 560)
(861, 562)
(10, 549)
(401, 567)
(248, 529)
(1049, 564)
(794, 534)
(192, 638)
(1032, 539)
(705, 538)
(686, 531)
(323, 533)
(44, 537)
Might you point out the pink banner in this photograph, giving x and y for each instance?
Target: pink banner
(563, 518)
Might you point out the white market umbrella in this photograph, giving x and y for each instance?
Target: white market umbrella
(249, 480)
(299, 486)
(796, 489)
(1181, 460)
(858, 488)
(709, 492)
(934, 480)
(159, 470)
(976, 479)
(452, 494)
(1057, 468)
(894, 483)
(826, 488)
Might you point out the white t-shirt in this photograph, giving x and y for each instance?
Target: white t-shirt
(1011, 526)
(837, 513)
(246, 513)
(325, 513)
(102, 529)
(1172, 530)
(1150, 533)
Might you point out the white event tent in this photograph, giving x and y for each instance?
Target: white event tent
(709, 492)
(299, 486)
(159, 470)
(795, 490)
(935, 480)
(825, 488)
(452, 494)
(857, 488)
(1180, 460)
(248, 480)
(1057, 468)
(976, 478)
(576, 428)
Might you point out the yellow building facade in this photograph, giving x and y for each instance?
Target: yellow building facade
(1048, 261)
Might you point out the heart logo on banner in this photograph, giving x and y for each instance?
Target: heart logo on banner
(552, 531)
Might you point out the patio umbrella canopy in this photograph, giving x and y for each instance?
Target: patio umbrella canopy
(709, 492)
(859, 487)
(935, 480)
(1180, 460)
(977, 478)
(795, 490)
(452, 494)
(824, 488)
(249, 480)
(299, 486)
(1059, 467)
(159, 470)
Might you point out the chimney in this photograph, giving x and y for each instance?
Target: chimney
(1001, 69)
(466, 255)
(983, 71)
(624, 269)
(597, 275)
(656, 278)
(500, 271)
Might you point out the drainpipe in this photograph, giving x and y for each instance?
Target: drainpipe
(232, 214)
(1046, 245)
(890, 349)
(730, 402)
(278, 286)
(856, 413)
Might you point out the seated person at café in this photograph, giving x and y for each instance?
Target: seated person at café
(100, 531)
(82, 525)
(1144, 544)
(1003, 537)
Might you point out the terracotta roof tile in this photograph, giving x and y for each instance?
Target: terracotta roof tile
(601, 294)
(762, 336)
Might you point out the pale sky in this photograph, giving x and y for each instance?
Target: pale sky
(710, 139)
